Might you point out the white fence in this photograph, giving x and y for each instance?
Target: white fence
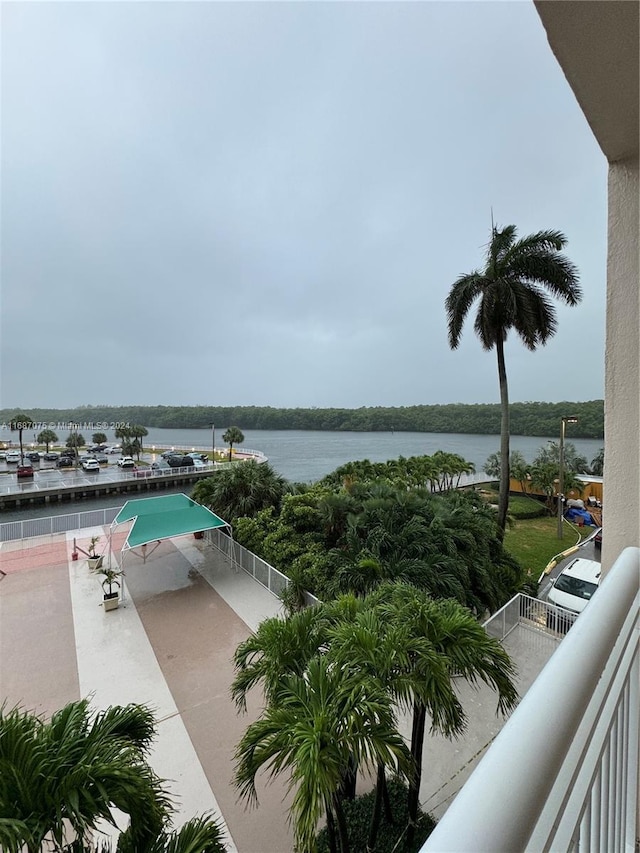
(275, 581)
(239, 556)
(562, 775)
(12, 530)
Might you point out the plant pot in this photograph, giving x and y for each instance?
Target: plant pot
(111, 601)
(94, 562)
(199, 534)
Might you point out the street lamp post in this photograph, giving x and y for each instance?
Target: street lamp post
(213, 444)
(571, 419)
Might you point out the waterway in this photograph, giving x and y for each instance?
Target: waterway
(305, 456)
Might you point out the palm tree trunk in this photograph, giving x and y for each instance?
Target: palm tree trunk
(349, 780)
(388, 813)
(503, 498)
(331, 828)
(417, 742)
(342, 825)
(377, 811)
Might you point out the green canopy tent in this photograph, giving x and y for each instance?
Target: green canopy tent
(159, 518)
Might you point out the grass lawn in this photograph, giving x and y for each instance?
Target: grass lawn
(534, 541)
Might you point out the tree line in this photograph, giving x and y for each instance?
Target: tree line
(529, 418)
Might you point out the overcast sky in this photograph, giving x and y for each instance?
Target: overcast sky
(267, 203)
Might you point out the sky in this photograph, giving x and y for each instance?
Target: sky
(238, 203)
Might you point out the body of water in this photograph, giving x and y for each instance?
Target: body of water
(304, 456)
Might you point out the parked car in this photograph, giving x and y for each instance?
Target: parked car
(197, 455)
(102, 458)
(65, 462)
(127, 462)
(181, 462)
(168, 453)
(51, 456)
(13, 456)
(572, 590)
(33, 455)
(3, 454)
(90, 464)
(98, 448)
(161, 465)
(114, 449)
(25, 469)
(198, 463)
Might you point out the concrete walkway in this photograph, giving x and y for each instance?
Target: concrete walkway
(169, 646)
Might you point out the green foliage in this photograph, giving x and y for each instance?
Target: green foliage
(521, 508)
(75, 440)
(358, 815)
(483, 419)
(332, 677)
(20, 421)
(61, 777)
(572, 460)
(131, 437)
(47, 437)
(386, 529)
(597, 463)
(232, 436)
(242, 490)
(518, 466)
(99, 438)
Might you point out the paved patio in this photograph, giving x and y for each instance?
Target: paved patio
(171, 646)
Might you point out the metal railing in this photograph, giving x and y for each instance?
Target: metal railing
(50, 525)
(562, 775)
(239, 451)
(522, 610)
(275, 581)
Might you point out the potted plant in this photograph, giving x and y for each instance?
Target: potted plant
(110, 586)
(95, 560)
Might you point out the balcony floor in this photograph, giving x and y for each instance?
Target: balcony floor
(448, 764)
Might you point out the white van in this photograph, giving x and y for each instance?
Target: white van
(576, 585)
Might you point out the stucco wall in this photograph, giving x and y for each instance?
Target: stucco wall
(621, 501)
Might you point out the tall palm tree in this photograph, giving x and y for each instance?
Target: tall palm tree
(444, 640)
(20, 422)
(511, 295)
(233, 435)
(321, 723)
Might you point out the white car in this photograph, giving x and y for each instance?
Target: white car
(198, 463)
(127, 462)
(115, 449)
(13, 456)
(572, 590)
(90, 464)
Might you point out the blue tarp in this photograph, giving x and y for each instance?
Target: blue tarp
(575, 514)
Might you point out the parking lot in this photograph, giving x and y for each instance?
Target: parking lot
(48, 476)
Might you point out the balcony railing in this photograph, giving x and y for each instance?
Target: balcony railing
(562, 775)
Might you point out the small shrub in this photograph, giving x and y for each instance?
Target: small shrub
(358, 816)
